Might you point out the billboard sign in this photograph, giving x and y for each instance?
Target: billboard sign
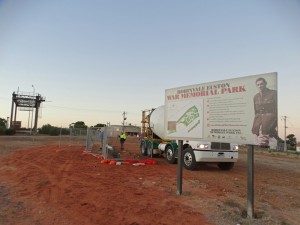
(240, 110)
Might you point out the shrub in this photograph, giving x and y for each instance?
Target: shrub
(45, 129)
(54, 131)
(4, 131)
(65, 131)
(10, 131)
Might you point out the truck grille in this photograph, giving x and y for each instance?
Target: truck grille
(219, 145)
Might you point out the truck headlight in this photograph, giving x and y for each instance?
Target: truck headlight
(202, 146)
(235, 147)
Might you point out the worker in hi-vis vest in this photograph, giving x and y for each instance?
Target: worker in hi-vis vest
(122, 140)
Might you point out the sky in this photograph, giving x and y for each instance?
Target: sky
(93, 60)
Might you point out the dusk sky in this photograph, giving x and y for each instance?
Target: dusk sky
(93, 60)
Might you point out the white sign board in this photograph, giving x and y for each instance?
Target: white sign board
(241, 110)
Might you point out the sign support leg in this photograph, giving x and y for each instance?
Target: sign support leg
(250, 181)
(179, 168)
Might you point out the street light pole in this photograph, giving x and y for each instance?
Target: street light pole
(32, 108)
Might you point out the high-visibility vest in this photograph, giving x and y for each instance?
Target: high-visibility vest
(123, 136)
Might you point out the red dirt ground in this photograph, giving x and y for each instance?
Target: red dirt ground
(43, 183)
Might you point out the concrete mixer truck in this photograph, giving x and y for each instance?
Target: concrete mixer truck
(153, 144)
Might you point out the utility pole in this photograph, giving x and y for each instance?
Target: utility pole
(284, 119)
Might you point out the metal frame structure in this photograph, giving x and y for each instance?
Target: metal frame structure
(146, 131)
(25, 100)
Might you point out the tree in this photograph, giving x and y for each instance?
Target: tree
(3, 122)
(279, 140)
(3, 130)
(45, 129)
(80, 124)
(292, 141)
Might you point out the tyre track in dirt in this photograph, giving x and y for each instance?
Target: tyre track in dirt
(69, 191)
(37, 173)
(47, 185)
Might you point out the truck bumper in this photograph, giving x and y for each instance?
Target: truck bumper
(215, 156)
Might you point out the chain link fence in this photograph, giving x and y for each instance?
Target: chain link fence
(102, 141)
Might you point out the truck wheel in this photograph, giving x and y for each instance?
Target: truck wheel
(189, 161)
(144, 148)
(226, 165)
(150, 149)
(170, 156)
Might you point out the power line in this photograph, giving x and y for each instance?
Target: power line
(85, 109)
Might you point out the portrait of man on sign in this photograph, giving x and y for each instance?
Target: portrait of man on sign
(264, 126)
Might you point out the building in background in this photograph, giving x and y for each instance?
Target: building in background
(115, 130)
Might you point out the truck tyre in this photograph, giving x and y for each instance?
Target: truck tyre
(226, 165)
(189, 161)
(144, 148)
(170, 156)
(150, 149)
